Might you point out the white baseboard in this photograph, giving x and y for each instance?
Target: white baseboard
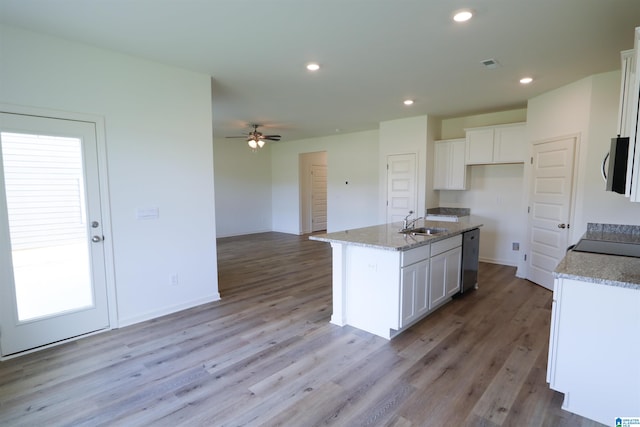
(499, 261)
(167, 310)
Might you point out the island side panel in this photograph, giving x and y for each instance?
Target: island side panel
(372, 298)
(338, 317)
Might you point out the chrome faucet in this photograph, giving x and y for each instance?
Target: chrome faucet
(409, 225)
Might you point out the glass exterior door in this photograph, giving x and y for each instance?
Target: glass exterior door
(55, 285)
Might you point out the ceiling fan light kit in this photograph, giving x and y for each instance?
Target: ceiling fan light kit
(257, 139)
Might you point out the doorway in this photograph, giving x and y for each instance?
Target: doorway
(313, 192)
(52, 232)
(550, 203)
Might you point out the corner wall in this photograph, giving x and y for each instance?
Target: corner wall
(494, 192)
(159, 153)
(243, 188)
(352, 177)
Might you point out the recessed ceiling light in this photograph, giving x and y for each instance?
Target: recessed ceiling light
(463, 15)
(526, 80)
(312, 66)
(408, 102)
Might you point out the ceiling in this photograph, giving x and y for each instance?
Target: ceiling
(373, 53)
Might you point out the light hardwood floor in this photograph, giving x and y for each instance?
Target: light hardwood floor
(266, 355)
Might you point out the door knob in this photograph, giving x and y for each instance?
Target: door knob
(96, 239)
(562, 226)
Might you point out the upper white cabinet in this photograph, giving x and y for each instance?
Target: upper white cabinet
(624, 112)
(450, 169)
(628, 123)
(496, 144)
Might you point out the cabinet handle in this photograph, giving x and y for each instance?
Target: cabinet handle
(562, 226)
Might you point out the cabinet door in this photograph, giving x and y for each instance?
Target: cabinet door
(452, 271)
(479, 146)
(457, 165)
(437, 274)
(414, 297)
(444, 279)
(440, 165)
(509, 144)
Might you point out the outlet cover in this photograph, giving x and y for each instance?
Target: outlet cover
(515, 246)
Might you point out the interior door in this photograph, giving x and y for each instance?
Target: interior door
(318, 197)
(550, 206)
(402, 188)
(53, 283)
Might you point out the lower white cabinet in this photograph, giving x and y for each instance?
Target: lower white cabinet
(386, 291)
(414, 292)
(444, 276)
(593, 349)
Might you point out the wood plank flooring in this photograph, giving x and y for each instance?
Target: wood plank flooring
(266, 355)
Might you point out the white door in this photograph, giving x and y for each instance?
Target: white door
(318, 197)
(402, 188)
(53, 284)
(549, 207)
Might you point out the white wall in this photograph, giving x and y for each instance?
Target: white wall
(403, 136)
(242, 187)
(352, 192)
(588, 108)
(159, 153)
(494, 193)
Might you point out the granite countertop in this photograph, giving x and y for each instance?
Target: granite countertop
(604, 269)
(449, 211)
(386, 236)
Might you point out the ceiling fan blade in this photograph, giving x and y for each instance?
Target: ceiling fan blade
(271, 139)
(272, 136)
(245, 136)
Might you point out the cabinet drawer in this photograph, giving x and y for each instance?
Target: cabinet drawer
(414, 255)
(446, 244)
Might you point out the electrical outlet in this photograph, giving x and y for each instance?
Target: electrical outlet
(515, 246)
(174, 279)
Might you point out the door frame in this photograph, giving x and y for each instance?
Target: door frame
(305, 161)
(523, 264)
(416, 178)
(105, 210)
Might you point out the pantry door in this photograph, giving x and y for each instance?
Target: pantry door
(550, 200)
(53, 284)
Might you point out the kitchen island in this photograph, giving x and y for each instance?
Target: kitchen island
(594, 340)
(384, 281)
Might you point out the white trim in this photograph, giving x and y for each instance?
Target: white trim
(99, 123)
(169, 310)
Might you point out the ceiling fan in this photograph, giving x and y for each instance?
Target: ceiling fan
(256, 139)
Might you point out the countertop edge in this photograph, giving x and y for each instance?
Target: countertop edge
(459, 228)
(608, 270)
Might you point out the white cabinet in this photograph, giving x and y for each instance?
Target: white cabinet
(496, 144)
(626, 83)
(593, 349)
(414, 292)
(629, 118)
(386, 291)
(444, 270)
(449, 168)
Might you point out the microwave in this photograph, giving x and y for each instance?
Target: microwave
(616, 176)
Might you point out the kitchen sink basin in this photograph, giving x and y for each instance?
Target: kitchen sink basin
(424, 231)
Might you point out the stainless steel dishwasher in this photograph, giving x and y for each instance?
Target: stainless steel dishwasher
(470, 251)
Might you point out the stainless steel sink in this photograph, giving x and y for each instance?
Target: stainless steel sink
(424, 231)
